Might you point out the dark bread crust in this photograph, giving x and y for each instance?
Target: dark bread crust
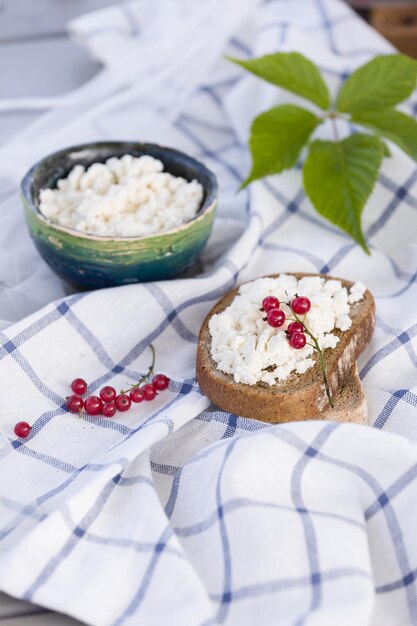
(300, 397)
(350, 404)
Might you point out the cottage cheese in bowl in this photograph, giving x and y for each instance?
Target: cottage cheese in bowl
(246, 347)
(123, 197)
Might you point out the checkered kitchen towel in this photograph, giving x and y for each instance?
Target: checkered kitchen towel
(175, 513)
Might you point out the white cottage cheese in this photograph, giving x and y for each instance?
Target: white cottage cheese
(126, 197)
(244, 345)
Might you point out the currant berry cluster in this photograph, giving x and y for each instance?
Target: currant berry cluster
(276, 317)
(297, 330)
(109, 401)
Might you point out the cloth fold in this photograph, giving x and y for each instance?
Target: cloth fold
(175, 512)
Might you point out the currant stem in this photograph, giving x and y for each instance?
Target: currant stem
(145, 376)
(320, 352)
(323, 370)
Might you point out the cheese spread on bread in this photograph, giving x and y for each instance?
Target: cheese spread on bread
(246, 347)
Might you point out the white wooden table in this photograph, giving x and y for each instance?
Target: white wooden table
(38, 59)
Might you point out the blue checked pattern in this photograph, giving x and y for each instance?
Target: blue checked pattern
(177, 513)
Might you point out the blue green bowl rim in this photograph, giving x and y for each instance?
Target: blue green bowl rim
(211, 194)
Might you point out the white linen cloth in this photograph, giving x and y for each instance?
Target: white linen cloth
(176, 513)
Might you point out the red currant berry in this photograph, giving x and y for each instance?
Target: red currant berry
(75, 403)
(298, 340)
(123, 402)
(108, 394)
(93, 405)
(160, 382)
(301, 305)
(275, 317)
(269, 303)
(136, 395)
(79, 386)
(22, 429)
(295, 327)
(149, 392)
(109, 409)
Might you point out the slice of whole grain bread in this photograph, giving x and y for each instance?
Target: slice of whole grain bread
(301, 396)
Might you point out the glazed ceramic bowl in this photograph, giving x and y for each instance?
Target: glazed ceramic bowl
(91, 261)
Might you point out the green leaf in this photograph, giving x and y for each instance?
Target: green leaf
(339, 178)
(394, 125)
(277, 138)
(291, 71)
(382, 83)
(387, 151)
